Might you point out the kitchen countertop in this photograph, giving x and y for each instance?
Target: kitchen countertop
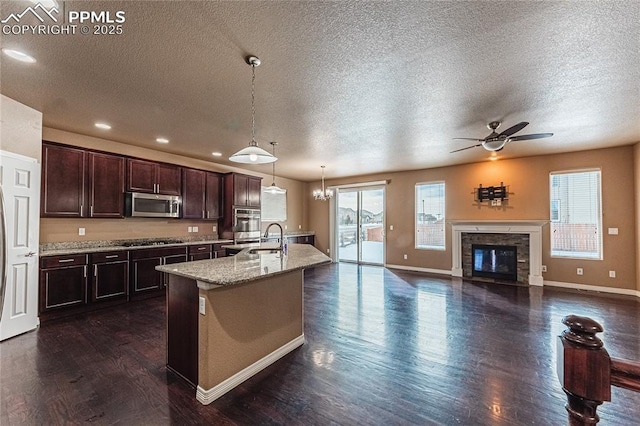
(245, 267)
(85, 247)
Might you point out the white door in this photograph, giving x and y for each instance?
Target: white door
(20, 186)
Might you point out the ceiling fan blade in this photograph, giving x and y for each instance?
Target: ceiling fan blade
(528, 137)
(514, 129)
(462, 149)
(468, 139)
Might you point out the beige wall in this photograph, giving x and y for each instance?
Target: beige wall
(636, 162)
(20, 128)
(55, 230)
(528, 182)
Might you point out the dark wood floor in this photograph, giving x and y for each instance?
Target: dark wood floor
(383, 347)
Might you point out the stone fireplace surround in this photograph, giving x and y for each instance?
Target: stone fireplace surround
(532, 228)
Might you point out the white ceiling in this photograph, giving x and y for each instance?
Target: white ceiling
(362, 87)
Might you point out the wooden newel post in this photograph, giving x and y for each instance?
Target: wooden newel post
(584, 369)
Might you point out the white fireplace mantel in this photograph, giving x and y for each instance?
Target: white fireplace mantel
(531, 227)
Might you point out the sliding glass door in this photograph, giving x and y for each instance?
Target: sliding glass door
(360, 230)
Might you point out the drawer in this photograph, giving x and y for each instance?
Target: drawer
(62, 261)
(200, 248)
(157, 252)
(112, 256)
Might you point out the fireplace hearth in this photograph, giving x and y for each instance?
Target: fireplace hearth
(494, 261)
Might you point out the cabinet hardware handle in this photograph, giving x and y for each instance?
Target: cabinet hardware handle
(95, 271)
(207, 214)
(202, 248)
(203, 214)
(81, 210)
(85, 273)
(111, 256)
(91, 211)
(30, 254)
(65, 260)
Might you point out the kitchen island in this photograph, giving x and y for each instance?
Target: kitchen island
(229, 318)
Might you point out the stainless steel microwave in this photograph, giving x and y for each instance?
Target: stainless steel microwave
(138, 204)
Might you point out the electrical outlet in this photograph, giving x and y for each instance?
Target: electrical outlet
(613, 231)
(299, 226)
(612, 274)
(81, 231)
(201, 306)
(544, 268)
(328, 251)
(390, 227)
(190, 229)
(405, 257)
(285, 227)
(579, 271)
(195, 229)
(215, 228)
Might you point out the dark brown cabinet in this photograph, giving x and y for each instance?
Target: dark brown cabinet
(201, 193)
(242, 190)
(80, 183)
(199, 252)
(152, 177)
(110, 279)
(63, 283)
(218, 251)
(144, 279)
(106, 185)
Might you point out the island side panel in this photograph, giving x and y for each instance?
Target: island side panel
(246, 322)
(182, 328)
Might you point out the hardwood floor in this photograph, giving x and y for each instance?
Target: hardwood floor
(383, 347)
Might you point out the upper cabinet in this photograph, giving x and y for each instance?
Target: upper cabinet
(201, 194)
(152, 177)
(242, 190)
(78, 183)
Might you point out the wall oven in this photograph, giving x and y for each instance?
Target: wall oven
(246, 225)
(139, 204)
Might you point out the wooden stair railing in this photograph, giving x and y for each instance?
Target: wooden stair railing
(587, 372)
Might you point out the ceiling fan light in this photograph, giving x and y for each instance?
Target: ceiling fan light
(252, 154)
(495, 145)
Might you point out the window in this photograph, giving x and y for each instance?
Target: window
(273, 206)
(430, 214)
(576, 214)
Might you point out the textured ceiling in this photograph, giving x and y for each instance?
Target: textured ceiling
(362, 87)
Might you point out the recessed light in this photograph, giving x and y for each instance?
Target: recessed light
(216, 154)
(162, 140)
(20, 56)
(103, 126)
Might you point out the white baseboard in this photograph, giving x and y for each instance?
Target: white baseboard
(417, 269)
(207, 396)
(627, 292)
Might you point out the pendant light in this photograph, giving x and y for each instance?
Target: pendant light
(322, 194)
(273, 189)
(253, 154)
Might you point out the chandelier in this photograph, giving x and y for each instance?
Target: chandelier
(253, 154)
(322, 194)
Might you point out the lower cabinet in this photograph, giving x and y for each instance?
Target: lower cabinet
(199, 252)
(145, 281)
(110, 279)
(63, 284)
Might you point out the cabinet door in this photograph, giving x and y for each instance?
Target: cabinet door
(193, 194)
(144, 276)
(168, 179)
(63, 287)
(254, 190)
(168, 260)
(63, 190)
(240, 187)
(141, 176)
(110, 281)
(106, 185)
(213, 199)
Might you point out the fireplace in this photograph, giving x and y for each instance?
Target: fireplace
(495, 261)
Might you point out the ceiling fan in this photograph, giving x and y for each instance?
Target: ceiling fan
(497, 141)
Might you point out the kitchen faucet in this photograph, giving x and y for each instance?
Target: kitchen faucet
(266, 233)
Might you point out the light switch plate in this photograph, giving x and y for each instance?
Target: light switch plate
(81, 231)
(613, 231)
(390, 227)
(201, 307)
(195, 229)
(612, 274)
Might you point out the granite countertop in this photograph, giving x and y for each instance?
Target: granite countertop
(85, 247)
(245, 267)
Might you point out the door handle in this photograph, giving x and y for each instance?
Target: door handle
(30, 254)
